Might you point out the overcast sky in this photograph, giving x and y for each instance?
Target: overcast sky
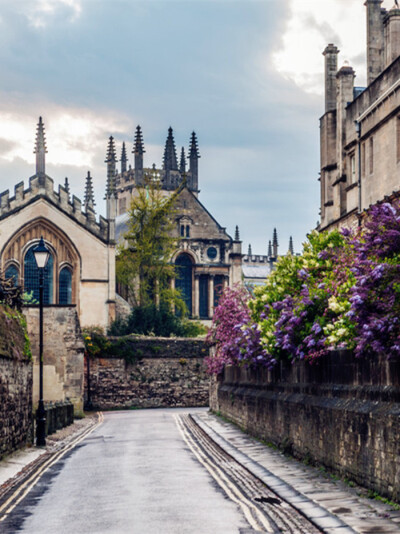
(246, 75)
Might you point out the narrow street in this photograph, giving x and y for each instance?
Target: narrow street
(164, 471)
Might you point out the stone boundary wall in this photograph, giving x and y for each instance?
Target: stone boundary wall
(169, 372)
(15, 386)
(341, 412)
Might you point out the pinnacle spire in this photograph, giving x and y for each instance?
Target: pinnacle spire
(269, 249)
(138, 146)
(111, 160)
(182, 166)
(194, 162)
(40, 148)
(194, 149)
(170, 161)
(89, 195)
(237, 236)
(67, 188)
(124, 159)
(291, 249)
(249, 252)
(275, 243)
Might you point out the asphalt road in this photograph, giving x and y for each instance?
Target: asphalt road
(133, 474)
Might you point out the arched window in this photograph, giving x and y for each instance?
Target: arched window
(12, 272)
(31, 277)
(184, 279)
(65, 286)
(187, 230)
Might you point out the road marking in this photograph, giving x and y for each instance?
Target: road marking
(248, 508)
(32, 480)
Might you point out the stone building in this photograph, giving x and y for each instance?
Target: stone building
(79, 279)
(208, 259)
(360, 129)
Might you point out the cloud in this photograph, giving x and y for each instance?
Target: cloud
(41, 13)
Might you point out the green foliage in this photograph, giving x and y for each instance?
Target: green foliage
(143, 265)
(157, 321)
(97, 344)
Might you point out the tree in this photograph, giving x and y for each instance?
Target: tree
(143, 260)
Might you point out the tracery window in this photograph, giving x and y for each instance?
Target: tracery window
(31, 277)
(65, 286)
(12, 272)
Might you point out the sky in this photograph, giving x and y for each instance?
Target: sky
(245, 75)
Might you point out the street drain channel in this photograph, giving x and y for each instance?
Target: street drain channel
(263, 510)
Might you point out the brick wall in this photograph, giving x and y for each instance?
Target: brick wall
(168, 372)
(15, 386)
(341, 413)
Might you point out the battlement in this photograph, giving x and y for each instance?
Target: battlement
(42, 186)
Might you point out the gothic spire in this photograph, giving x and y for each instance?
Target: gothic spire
(67, 188)
(194, 149)
(291, 250)
(275, 243)
(249, 253)
(269, 249)
(124, 159)
(194, 162)
(182, 166)
(40, 148)
(89, 195)
(237, 236)
(138, 149)
(170, 161)
(111, 160)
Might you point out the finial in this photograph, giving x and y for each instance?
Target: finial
(40, 148)
(182, 166)
(170, 161)
(237, 236)
(291, 250)
(111, 156)
(66, 187)
(124, 159)
(138, 146)
(249, 251)
(111, 169)
(194, 149)
(89, 195)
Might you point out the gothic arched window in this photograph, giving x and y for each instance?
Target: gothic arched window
(65, 286)
(31, 277)
(184, 279)
(12, 272)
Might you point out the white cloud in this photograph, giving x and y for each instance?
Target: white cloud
(314, 24)
(40, 13)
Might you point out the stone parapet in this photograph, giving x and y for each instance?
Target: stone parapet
(342, 413)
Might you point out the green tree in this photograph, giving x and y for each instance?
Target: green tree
(143, 259)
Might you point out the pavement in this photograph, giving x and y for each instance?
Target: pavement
(332, 505)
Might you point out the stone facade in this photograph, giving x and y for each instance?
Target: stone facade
(342, 413)
(211, 258)
(63, 354)
(15, 387)
(168, 373)
(360, 129)
(82, 249)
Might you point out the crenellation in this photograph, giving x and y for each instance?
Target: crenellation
(63, 196)
(4, 202)
(19, 192)
(76, 202)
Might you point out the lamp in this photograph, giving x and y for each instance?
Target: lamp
(41, 253)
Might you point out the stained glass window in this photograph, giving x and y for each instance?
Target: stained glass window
(12, 272)
(31, 277)
(65, 286)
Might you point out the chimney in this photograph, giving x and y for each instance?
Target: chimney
(330, 53)
(375, 39)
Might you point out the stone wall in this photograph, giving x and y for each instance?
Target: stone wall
(168, 372)
(15, 386)
(63, 354)
(341, 413)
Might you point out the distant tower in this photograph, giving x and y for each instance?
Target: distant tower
(182, 166)
(40, 149)
(111, 192)
(237, 235)
(275, 243)
(269, 249)
(291, 250)
(330, 53)
(249, 253)
(124, 159)
(194, 162)
(138, 150)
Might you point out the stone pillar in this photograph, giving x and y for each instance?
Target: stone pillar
(210, 295)
(196, 303)
(330, 53)
(375, 40)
